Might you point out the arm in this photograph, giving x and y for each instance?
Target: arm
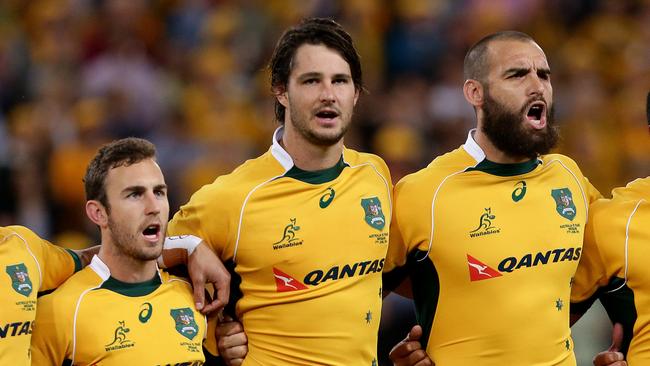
(86, 255)
(50, 337)
(231, 341)
(203, 267)
(409, 351)
(612, 357)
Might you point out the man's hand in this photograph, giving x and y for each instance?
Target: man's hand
(205, 267)
(231, 341)
(409, 352)
(612, 357)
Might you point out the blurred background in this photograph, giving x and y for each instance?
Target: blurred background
(190, 76)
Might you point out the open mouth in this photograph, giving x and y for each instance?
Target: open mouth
(537, 115)
(152, 232)
(327, 114)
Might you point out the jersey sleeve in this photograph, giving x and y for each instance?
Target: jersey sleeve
(409, 234)
(50, 339)
(56, 264)
(203, 217)
(592, 272)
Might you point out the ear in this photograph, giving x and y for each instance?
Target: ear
(97, 213)
(281, 96)
(474, 92)
(357, 92)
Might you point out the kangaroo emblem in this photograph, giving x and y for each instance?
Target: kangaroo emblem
(120, 334)
(289, 234)
(485, 221)
(480, 269)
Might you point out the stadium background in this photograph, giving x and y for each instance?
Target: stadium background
(190, 76)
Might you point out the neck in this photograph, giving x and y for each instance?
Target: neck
(308, 156)
(124, 267)
(492, 153)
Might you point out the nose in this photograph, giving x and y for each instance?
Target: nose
(153, 204)
(327, 92)
(535, 85)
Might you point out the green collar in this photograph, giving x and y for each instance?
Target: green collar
(506, 170)
(318, 176)
(132, 289)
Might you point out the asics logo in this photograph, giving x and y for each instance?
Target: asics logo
(327, 198)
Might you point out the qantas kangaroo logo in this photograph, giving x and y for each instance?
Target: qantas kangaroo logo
(285, 283)
(480, 271)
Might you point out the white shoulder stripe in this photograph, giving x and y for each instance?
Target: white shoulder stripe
(627, 240)
(241, 212)
(433, 208)
(386, 184)
(74, 321)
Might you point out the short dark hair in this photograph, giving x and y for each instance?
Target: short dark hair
(313, 31)
(123, 152)
(476, 61)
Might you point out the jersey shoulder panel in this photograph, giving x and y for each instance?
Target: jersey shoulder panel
(233, 188)
(354, 158)
(636, 189)
(70, 290)
(435, 173)
(213, 211)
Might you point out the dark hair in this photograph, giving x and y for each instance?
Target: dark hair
(123, 152)
(476, 61)
(313, 31)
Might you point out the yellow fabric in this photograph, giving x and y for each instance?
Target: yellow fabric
(617, 241)
(87, 322)
(29, 264)
(273, 227)
(503, 256)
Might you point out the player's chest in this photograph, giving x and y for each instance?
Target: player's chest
(329, 222)
(503, 226)
(118, 329)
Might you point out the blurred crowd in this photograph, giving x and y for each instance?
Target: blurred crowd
(191, 77)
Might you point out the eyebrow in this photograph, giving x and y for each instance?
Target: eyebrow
(140, 189)
(525, 70)
(310, 75)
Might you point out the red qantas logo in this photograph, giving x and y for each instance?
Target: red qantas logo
(480, 271)
(285, 283)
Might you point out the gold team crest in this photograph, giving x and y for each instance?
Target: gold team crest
(185, 324)
(374, 215)
(564, 203)
(20, 280)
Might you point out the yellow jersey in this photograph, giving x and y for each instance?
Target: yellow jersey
(29, 265)
(95, 319)
(491, 250)
(614, 268)
(307, 249)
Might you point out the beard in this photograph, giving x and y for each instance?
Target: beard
(300, 121)
(129, 244)
(508, 132)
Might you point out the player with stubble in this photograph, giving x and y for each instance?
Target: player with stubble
(304, 226)
(122, 309)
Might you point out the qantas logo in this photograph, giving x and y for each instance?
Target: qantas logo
(480, 271)
(285, 283)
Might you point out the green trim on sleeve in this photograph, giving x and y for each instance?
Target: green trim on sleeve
(78, 266)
